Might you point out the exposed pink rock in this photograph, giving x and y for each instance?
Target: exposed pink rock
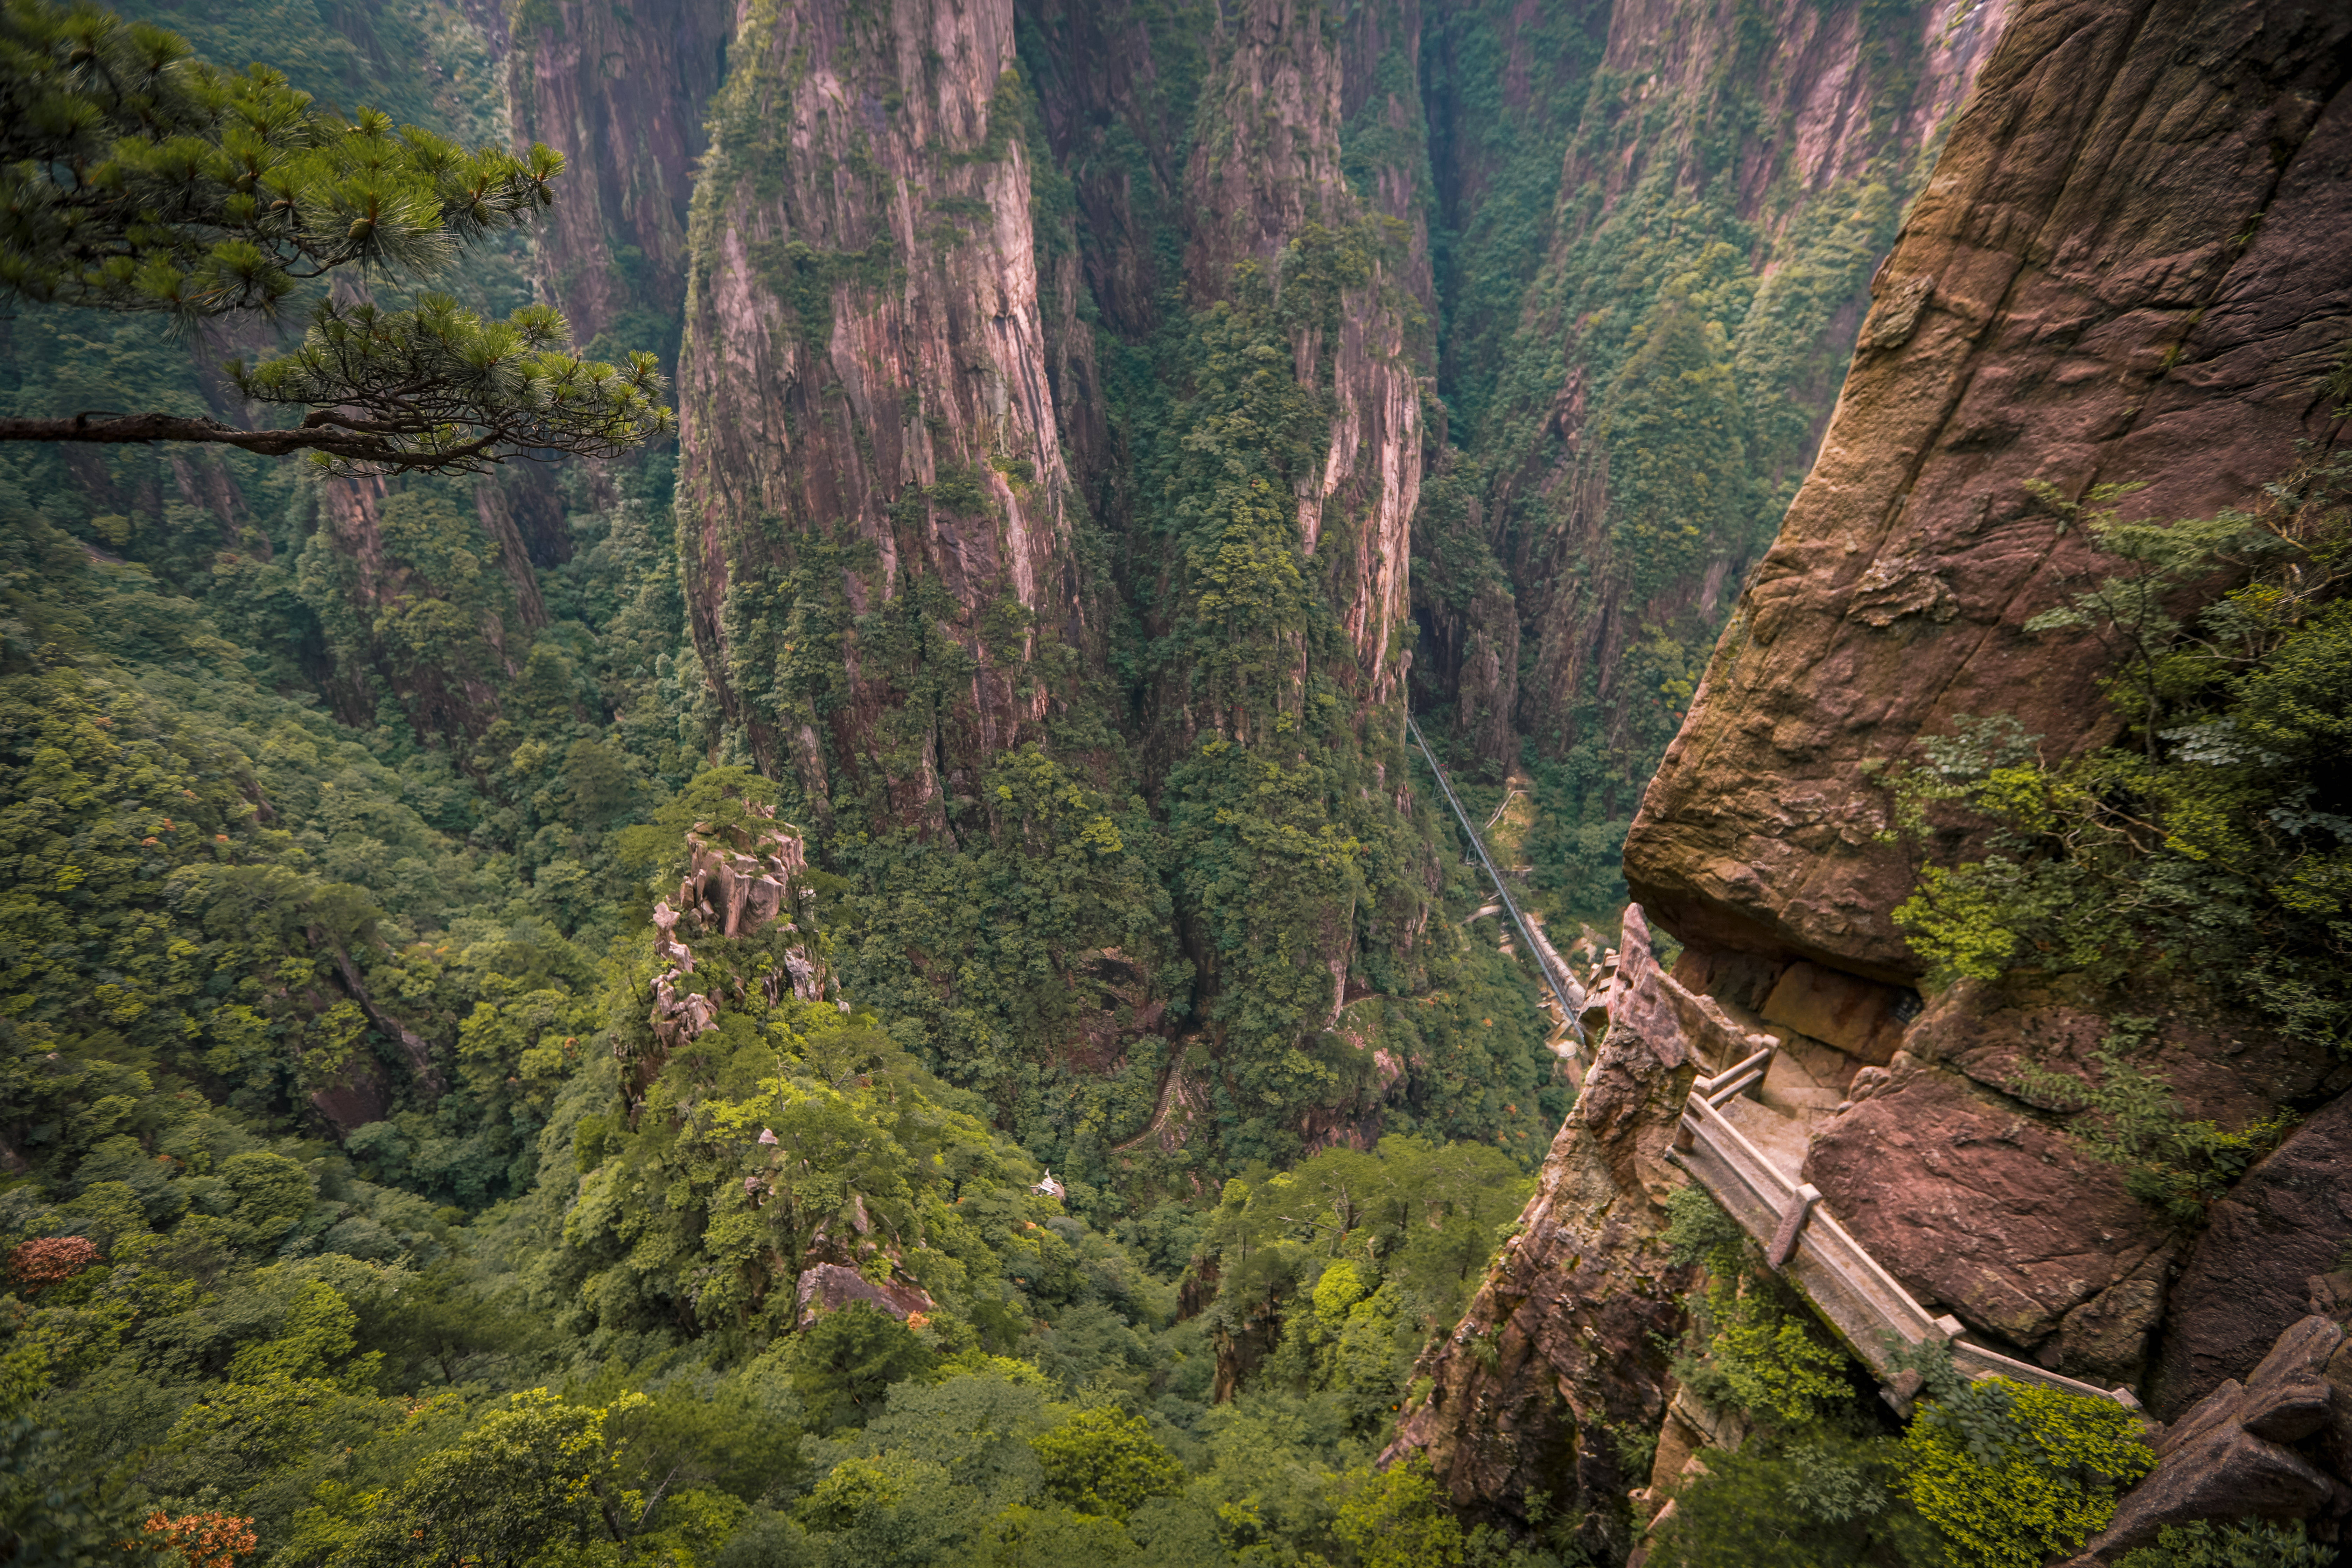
(1859, 1018)
(1565, 1333)
(2134, 272)
(737, 883)
(828, 1287)
(1973, 1203)
(2235, 1455)
(625, 99)
(2248, 1276)
(2228, 1073)
(360, 1098)
(864, 357)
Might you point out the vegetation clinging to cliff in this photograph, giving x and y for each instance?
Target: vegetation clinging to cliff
(2215, 844)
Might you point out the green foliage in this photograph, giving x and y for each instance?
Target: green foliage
(1100, 1462)
(2243, 1543)
(413, 1242)
(538, 1474)
(842, 1365)
(803, 279)
(1705, 325)
(2129, 1117)
(1820, 1498)
(436, 388)
(140, 178)
(2015, 1474)
(1341, 1267)
(1283, 854)
(1398, 1520)
(2214, 845)
(1754, 1347)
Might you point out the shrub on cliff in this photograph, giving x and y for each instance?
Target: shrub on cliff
(2216, 843)
(2013, 1474)
(1824, 1498)
(2246, 1543)
(1754, 1346)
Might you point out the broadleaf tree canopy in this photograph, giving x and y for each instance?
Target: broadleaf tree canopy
(136, 177)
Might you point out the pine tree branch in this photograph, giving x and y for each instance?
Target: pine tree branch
(343, 444)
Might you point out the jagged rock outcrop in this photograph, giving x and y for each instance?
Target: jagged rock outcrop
(1564, 1338)
(866, 419)
(739, 880)
(2277, 1447)
(2127, 266)
(829, 1287)
(2248, 1276)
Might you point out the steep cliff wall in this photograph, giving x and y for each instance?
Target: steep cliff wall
(1562, 1355)
(1266, 171)
(1728, 183)
(623, 92)
(2139, 285)
(864, 399)
(2127, 267)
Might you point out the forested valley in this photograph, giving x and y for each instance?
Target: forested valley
(800, 927)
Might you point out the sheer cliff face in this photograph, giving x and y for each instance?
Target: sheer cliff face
(1564, 1348)
(623, 94)
(2127, 267)
(909, 506)
(1267, 167)
(1727, 186)
(863, 400)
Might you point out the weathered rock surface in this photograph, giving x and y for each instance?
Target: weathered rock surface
(1589, 592)
(2128, 266)
(1564, 1335)
(2268, 1448)
(2231, 1077)
(624, 93)
(1266, 169)
(2248, 1277)
(829, 1287)
(1973, 1203)
(864, 398)
(738, 881)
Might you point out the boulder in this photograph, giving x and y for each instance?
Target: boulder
(1970, 1203)
(2248, 1274)
(2230, 1457)
(829, 1287)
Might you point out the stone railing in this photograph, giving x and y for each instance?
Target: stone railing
(1804, 1243)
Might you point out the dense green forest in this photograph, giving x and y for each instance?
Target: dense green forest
(347, 1215)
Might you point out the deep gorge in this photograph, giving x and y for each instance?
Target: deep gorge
(879, 975)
